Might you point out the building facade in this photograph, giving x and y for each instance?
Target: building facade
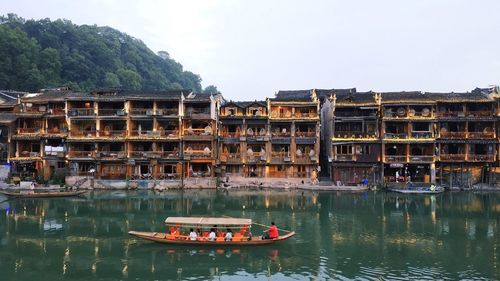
(348, 136)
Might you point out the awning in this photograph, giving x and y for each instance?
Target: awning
(198, 221)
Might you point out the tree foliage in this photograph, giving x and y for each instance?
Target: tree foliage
(44, 53)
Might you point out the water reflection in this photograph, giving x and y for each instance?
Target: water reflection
(340, 236)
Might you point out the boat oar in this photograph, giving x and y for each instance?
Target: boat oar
(256, 223)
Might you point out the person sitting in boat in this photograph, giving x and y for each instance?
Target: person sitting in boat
(212, 236)
(192, 235)
(229, 235)
(272, 232)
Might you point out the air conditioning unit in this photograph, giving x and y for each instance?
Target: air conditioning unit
(120, 112)
(286, 159)
(150, 112)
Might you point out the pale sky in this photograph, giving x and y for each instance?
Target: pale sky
(251, 49)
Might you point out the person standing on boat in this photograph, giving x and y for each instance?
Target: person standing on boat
(272, 232)
(192, 235)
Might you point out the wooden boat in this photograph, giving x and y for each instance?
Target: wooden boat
(42, 194)
(239, 238)
(419, 191)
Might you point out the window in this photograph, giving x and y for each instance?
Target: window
(344, 149)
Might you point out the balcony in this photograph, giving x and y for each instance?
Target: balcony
(29, 130)
(81, 154)
(305, 134)
(281, 135)
(395, 158)
(83, 134)
(195, 113)
(452, 157)
(29, 154)
(345, 157)
(480, 157)
(142, 112)
(57, 131)
(112, 112)
(198, 154)
(167, 111)
(205, 133)
(280, 157)
(112, 133)
(453, 135)
(111, 155)
(421, 158)
(231, 158)
(56, 111)
(354, 135)
(481, 135)
(396, 136)
(173, 154)
(145, 154)
(74, 112)
(421, 135)
(304, 159)
(480, 113)
(469, 114)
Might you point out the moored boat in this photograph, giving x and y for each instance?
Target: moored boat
(241, 237)
(34, 194)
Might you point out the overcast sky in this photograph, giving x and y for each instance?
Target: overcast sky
(251, 49)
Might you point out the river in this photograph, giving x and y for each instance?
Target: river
(365, 236)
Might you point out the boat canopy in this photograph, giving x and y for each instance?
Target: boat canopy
(200, 221)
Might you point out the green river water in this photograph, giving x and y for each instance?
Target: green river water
(365, 236)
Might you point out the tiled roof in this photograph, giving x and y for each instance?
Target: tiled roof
(356, 98)
(245, 104)
(293, 95)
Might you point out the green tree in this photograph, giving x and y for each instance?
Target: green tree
(129, 79)
(45, 53)
(211, 89)
(111, 80)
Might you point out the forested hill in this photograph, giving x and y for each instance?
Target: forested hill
(37, 54)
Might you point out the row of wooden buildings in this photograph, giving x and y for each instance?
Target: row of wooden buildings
(344, 135)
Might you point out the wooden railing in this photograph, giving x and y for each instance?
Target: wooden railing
(167, 111)
(480, 157)
(453, 135)
(481, 135)
(305, 134)
(111, 133)
(395, 158)
(197, 132)
(353, 134)
(452, 157)
(195, 154)
(81, 154)
(234, 158)
(81, 112)
(471, 113)
(303, 159)
(142, 111)
(29, 154)
(29, 130)
(421, 135)
(112, 154)
(280, 157)
(344, 157)
(421, 158)
(111, 112)
(396, 136)
(281, 135)
(83, 134)
(57, 130)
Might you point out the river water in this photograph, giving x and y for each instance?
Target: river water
(366, 236)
